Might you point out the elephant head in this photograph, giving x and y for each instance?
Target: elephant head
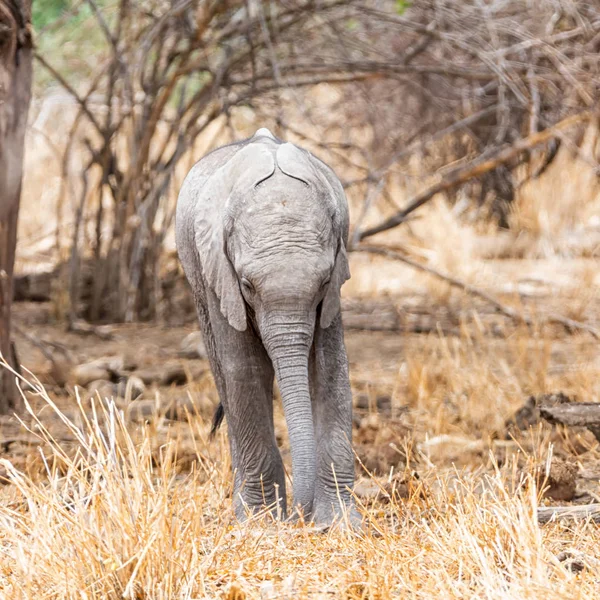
(275, 256)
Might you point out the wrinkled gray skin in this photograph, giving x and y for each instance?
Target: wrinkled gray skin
(261, 234)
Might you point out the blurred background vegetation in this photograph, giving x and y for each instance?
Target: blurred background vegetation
(404, 99)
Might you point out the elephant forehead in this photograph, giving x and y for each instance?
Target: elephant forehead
(283, 242)
(282, 215)
(277, 230)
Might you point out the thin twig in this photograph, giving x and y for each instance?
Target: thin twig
(42, 345)
(453, 281)
(69, 88)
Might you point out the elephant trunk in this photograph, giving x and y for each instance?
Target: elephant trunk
(288, 346)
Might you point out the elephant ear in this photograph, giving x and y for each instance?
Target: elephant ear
(302, 165)
(338, 196)
(248, 167)
(341, 270)
(331, 305)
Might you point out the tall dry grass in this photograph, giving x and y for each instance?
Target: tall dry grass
(559, 214)
(110, 515)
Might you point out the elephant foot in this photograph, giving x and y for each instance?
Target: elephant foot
(247, 506)
(328, 513)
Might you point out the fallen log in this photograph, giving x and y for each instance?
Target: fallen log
(574, 414)
(33, 287)
(545, 514)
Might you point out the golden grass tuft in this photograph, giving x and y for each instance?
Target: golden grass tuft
(112, 518)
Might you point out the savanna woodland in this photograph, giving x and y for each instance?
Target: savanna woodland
(467, 137)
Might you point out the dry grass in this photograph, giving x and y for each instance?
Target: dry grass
(110, 514)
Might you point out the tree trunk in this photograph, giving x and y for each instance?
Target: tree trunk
(15, 94)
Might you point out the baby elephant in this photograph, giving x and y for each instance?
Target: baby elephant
(261, 233)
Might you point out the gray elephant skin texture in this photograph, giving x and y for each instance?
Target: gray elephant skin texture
(262, 228)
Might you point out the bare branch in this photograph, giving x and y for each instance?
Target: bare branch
(453, 281)
(475, 169)
(547, 514)
(81, 101)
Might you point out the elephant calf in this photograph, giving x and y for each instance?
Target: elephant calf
(261, 233)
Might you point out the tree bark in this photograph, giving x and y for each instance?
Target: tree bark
(15, 95)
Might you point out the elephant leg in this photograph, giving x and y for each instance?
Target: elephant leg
(246, 375)
(332, 410)
(215, 365)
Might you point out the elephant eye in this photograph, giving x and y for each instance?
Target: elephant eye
(325, 281)
(247, 285)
